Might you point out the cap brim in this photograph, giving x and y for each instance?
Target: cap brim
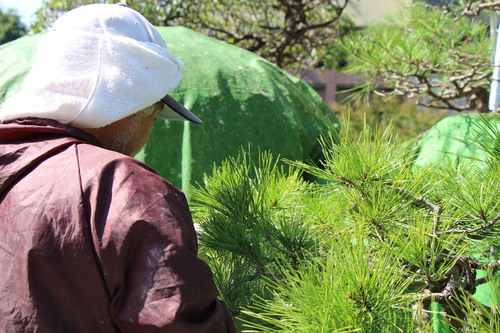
(180, 111)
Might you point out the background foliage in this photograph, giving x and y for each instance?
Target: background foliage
(441, 53)
(11, 27)
(289, 33)
(408, 120)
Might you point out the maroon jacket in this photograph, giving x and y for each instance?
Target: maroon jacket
(95, 241)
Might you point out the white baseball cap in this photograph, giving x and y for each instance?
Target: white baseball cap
(99, 64)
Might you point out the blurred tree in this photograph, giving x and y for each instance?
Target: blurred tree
(409, 121)
(289, 33)
(158, 12)
(434, 51)
(51, 10)
(11, 26)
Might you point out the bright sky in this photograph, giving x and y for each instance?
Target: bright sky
(25, 8)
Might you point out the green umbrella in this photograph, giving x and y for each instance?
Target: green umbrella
(245, 102)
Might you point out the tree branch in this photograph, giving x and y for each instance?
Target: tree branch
(421, 201)
(443, 295)
(471, 230)
(468, 10)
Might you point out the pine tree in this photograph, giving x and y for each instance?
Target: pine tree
(375, 246)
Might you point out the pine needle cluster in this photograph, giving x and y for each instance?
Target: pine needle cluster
(375, 245)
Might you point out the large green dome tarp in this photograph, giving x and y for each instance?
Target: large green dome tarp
(245, 102)
(446, 141)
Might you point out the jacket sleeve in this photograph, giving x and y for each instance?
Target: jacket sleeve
(147, 247)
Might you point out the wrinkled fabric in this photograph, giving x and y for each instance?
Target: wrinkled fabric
(94, 241)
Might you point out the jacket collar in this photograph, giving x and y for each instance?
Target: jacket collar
(16, 129)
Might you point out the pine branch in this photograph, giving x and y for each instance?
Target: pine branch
(283, 250)
(461, 277)
(439, 296)
(273, 244)
(422, 202)
(467, 10)
(471, 230)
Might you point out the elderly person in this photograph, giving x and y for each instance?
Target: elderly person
(93, 240)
